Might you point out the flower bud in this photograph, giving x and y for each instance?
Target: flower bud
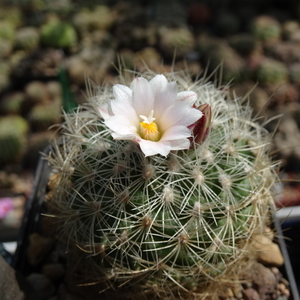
(201, 127)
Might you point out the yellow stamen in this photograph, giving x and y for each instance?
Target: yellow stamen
(149, 131)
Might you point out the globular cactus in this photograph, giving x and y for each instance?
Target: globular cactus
(36, 92)
(13, 132)
(27, 38)
(58, 34)
(179, 41)
(12, 103)
(42, 116)
(5, 70)
(294, 73)
(12, 14)
(271, 72)
(216, 53)
(100, 18)
(160, 215)
(6, 47)
(244, 44)
(266, 29)
(7, 30)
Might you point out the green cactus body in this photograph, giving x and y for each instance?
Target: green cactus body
(42, 116)
(100, 18)
(58, 34)
(12, 103)
(271, 72)
(12, 14)
(266, 28)
(6, 47)
(13, 130)
(7, 30)
(176, 40)
(5, 70)
(172, 223)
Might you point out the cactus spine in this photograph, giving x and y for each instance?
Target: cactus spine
(164, 226)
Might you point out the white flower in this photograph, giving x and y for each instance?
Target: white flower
(152, 114)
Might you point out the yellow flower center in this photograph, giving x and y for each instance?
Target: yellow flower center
(148, 128)
(149, 131)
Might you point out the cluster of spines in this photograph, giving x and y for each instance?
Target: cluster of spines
(182, 219)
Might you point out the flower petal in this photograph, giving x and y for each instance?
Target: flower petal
(105, 111)
(175, 133)
(131, 137)
(187, 96)
(158, 83)
(180, 113)
(142, 96)
(121, 125)
(180, 144)
(122, 92)
(173, 114)
(124, 108)
(165, 98)
(151, 148)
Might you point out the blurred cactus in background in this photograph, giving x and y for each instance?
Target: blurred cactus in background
(5, 70)
(217, 53)
(271, 72)
(266, 29)
(7, 30)
(179, 41)
(13, 131)
(12, 103)
(6, 47)
(42, 116)
(27, 38)
(176, 224)
(55, 33)
(99, 18)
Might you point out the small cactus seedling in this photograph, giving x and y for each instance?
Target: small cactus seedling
(180, 40)
(164, 187)
(12, 103)
(13, 130)
(58, 34)
(5, 70)
(266, 29)
(27, 38)
(42, 116)
(7, 30)
(100, 18)
(271, 72)
(6, 47)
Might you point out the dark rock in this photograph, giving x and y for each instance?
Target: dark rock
(251, 294)
(42, 285)
(38, 249)
(53, 271)
(263, 279)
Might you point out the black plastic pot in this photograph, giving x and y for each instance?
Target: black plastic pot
(294, 248)
(32, 217)
(35, 208)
